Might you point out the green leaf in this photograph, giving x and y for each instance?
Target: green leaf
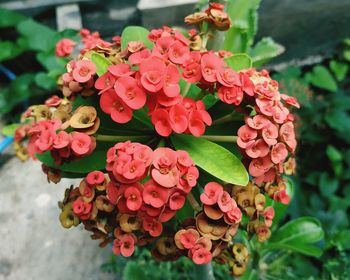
(39, 36)
(250, 274)
(142, 117)
(338, 120)
(339, 69)
(185, 212)
(213, 158)
(135, 33)
(322, 78)
(333, 153)
(101, 63)
(134, 271)
(264, 51)
(43, 80)
(243, 15)
(9, 18)
(239, 61)
(94, 161)
(51, 62)
(298, 235)
(328, 184)
(9, 50)
(9, 130)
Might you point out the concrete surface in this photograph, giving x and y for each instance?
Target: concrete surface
(33, 245)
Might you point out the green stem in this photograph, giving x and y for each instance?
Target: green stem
(204, 272)
(201, 95)
(186, 89)
(228, 118)
(220, 138)
(194, 204)
(120, 138)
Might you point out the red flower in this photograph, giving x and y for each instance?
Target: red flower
(231, 95)
(279, 153)
(84, 70)
(154, 194)
(246, 136)
(152, 226)
(64, 47)
(176, 201)
(161, 121)
(95, 178)
(113, 105)
(211, 194)
(61, 140)
(171, 86)
(228, 78)
(201, 256)
(225, 202)
(152, 71)
(164, 170)
(120, 70)
(178, 52)
(133, 198)
(81, 143)
(82, 209)
(124, 245)
(210, 65)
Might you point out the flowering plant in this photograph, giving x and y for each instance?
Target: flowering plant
(147, 122)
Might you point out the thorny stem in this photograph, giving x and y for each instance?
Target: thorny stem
(120, 138)
(195, 205)
(220, 138)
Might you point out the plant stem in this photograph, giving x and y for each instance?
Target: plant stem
(227, 118)
(195, 205)
(204, 272)
(186, 89)
(120, 138)
(220, 138)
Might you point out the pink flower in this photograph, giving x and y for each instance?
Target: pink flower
(152, 226)
(53, 101)
(257, 122)
(64, 47)
(268, 214)
(45, 140)
(192, 176)
(178, 118)
(184, 159)
(228, 78)
(288, 136)
(171, 86)
(124, 245)
(212, 192)
(113, 105)
(247, 84)
(133, 198)
(81, 143)
(279, 153)
(225, 202)
(161, 121)
(154, 194)
(133, 170)
(61, 140)
(95, 178)
(188, 238)
(152, 71)
(82, 209)
(246, 136)
(234, 215)
(137, 57)
(259, 166)
(120, 70)
(164, 170)
(281, 196)
(201, 256)
(105, 82)
(176, 201)
(257, 149)
(210, 65)
(191, 68)
(290, 100)
(84, 70)
(128, 90)
(178, 52)
(231, 95)
(270, 134)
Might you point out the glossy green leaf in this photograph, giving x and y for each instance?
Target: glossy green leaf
(9, 130)
(51, 61)
(339, 69)
(9, 50)
(265, 50)
(135, 33)
(338, 120)
(333, 153)
(44, 81)
(101, 63)
(298, 235)
(328, 184)
(239, 61)
(213, 158)
(322, 78)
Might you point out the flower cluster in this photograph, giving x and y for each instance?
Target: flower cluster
(47, 136)
(267, 140)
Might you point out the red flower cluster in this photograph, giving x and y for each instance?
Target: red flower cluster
(64, 146)
(79, 78)
(172, 173)
(268, 139)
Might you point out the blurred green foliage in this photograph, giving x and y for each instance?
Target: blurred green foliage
(30, 44)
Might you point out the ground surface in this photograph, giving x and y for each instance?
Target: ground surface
(33, 245)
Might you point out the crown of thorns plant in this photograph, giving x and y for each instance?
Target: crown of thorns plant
(148, 122)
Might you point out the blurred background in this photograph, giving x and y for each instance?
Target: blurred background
(306, 45)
